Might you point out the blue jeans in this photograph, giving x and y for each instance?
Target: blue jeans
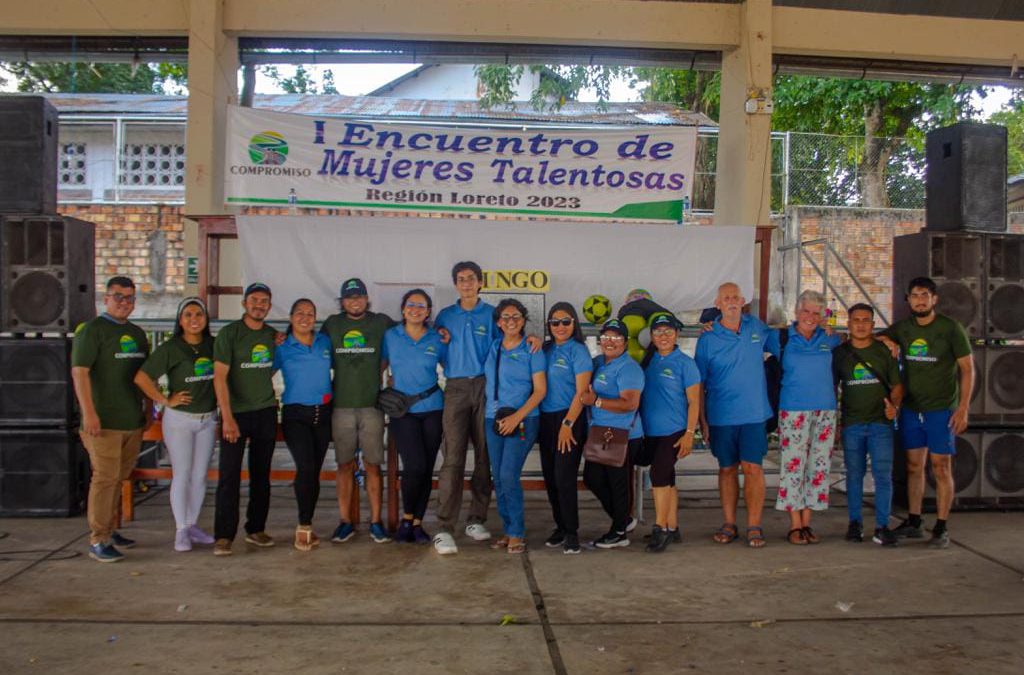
(508, 454)
(860, 441)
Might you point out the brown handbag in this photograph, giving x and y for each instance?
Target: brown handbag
(606, 445)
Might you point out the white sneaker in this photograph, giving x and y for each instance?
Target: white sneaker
(631, 525)
(444, 544)
(182, 542)
(477, 532)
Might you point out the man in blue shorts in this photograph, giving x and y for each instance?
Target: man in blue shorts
(730, 357)
(938, 373)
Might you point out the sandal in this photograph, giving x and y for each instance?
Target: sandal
(305, 538)
(726, 534)
(801, 537)
(517, 547)
(500, 542)
(810, 536)
(755, 537)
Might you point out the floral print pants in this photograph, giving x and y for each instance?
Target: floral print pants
(806, 437)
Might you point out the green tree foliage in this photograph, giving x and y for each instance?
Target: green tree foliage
(556, 84)
(1012, 117)
(302, 82)
(99, 78)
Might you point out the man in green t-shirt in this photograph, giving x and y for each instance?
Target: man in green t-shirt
(243, 369)
(869, 379)
(938, 373)
(356, 338)
(105, 355)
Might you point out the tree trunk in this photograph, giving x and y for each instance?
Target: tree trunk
(877, 151)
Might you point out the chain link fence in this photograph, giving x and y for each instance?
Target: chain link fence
(823, 170)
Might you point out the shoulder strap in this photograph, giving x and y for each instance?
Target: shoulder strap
(497, 366)
(783, 339)
(867, 364)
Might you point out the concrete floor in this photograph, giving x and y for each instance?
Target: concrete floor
(361, 607)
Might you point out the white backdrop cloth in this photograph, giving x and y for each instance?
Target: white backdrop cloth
(682, 266)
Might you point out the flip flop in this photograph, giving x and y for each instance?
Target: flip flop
(801, 537)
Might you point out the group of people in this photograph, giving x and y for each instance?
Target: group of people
(505, 391)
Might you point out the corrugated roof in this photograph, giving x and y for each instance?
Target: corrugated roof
(374, 106)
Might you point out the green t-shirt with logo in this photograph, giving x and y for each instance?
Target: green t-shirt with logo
(113, 352)
(356, 345)
(863, 399)
(929, 356)
(249, 355)
(188, 368)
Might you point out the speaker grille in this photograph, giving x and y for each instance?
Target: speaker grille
(35, 382)
(959, 301)
(965, 464)
(1005, 386)
(1006, 310)
(37, 299)
(1004, 463)
(42, 473)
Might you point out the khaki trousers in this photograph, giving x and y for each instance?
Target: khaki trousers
(112, 455)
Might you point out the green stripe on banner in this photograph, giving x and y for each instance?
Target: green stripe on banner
(671, 210)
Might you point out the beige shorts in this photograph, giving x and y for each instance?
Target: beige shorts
(361, 428)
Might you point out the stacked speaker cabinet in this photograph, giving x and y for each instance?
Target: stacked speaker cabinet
(47, 287)
(965, 180)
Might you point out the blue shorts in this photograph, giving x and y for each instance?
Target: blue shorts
(927, 430)
(735, 443)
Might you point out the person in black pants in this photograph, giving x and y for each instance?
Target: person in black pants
(563, 428)
(243, 354)
(614, 398)
(413, 351)
(304, 359)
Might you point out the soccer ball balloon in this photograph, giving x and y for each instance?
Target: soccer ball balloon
(597, 309)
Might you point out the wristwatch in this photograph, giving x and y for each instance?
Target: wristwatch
(597, 403)
(566, 422)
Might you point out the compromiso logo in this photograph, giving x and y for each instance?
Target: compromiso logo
(918, 347)
(202, 367)
(268, 148)
(259, 357)
(353, 339)
(129, 348)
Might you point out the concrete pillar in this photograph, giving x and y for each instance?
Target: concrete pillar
(212, 85)
(743, 177)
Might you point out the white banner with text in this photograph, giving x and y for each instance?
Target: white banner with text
(285, 159)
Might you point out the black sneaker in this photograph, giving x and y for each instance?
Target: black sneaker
(121, 541)
(556, 539)
(676, 536)
(612, 539)
(659, 540)
(908, 531)
(855, 532)
(940, 540)
(571, 545)
(885, 537)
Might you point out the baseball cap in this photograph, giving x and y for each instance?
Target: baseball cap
(665, 320)
(256, 288)
(615, 326)
(353, 287)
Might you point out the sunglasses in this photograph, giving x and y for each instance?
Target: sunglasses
(560, 322)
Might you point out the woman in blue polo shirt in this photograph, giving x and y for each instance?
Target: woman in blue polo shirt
(304, 359)
(670, 410)
(614, 400)
(516, 385)
(563, 427)
(807, 417)
(413, 350)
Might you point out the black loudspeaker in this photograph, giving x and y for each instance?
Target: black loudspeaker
(49, 275)
(43, 472)
(35, 383)
(966, 467)
(965, 180)
(28, 172)
(955, 262)
(1002, 384)
(1003, 464)
(1004, 282)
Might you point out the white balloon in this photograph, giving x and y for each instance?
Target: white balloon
(644, 337)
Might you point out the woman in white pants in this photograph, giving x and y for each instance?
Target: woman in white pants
(190, 414)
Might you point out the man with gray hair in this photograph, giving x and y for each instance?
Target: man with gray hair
(730, 357)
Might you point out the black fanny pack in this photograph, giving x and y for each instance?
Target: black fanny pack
(395, 404)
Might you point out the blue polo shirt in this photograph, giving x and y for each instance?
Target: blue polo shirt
(664, 406)
(515, 376)
(731, 366)
(610, 380)
(414, 365)
(565, 362)
(472, 334)
(807, 382)
(306, 370)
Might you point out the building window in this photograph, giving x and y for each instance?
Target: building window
(153, 165)
(72, 164)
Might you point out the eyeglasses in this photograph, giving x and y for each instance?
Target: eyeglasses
(611, 338)
(658, 332)
(415, 305)
(560, 322)
(119, 297)
(468, 279)
(509, 318)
